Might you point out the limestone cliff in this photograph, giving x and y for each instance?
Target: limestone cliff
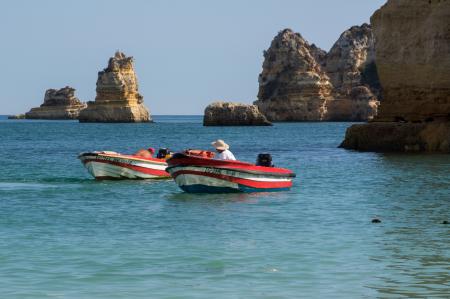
(350, 65)
(233, 114)
(292, 85)
(413, 58)
(58, 104)
(118, 99)
(301, 82)
(349, 58)
(413, 61)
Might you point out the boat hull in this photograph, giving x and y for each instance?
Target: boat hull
(196, 176)
(117, 166)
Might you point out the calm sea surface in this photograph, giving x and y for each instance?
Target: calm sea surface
(65, 235)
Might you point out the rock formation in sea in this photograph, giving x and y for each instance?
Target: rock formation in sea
(350, 65)
(233, 114)
(58, 104)
(301, 82)
(292, 85)
(413, 61)
(118, 99)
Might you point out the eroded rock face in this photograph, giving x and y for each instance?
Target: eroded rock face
(118, 99)
(399, 137)
(360, 104)
(349, 57)
(58, 104)
(413, 58)
(413, 61)
(292, 85)
(233, 114)
(301, 82)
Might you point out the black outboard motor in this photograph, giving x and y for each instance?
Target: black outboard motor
(162, 153)
(264, 160)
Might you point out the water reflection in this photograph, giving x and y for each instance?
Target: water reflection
(411, 247)
(224, 197)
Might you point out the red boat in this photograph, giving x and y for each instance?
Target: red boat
(198, 172)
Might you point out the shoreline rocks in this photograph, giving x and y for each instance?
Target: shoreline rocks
(118, 99)
(233, 114)
(301, 82)
(398, 137)
(413, 61)
(58, 104)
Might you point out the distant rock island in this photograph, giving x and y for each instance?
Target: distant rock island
(301, 82)
(413, 61)
(118, 99)
(58, 104)
(233, 114)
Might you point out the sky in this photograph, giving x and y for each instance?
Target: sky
(187, 53)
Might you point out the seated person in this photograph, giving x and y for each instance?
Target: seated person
(142, 153)
(222, 150)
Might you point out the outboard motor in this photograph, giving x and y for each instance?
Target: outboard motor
(162, 153)
(264, 160)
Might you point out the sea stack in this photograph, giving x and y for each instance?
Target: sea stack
(301, 82)
(292, 85)
(413, 61)
(350, 65)
(118, 99)
(233, 114)
(58, 104)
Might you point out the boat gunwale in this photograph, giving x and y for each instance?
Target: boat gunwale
(121, 156)
(266, 174)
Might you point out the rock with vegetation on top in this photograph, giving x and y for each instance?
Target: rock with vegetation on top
(118, 99)
(233, 114)
(17, 116)
(413, 62)
(58, 104)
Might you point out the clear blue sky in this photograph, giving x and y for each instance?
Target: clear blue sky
(187, 53)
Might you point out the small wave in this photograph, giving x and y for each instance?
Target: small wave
(24, 186)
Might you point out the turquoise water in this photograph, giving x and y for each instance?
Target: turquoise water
(64, 235)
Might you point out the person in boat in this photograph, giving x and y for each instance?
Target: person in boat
(145, 153)
(223, 150)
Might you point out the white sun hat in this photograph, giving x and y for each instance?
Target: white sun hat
(220, 145)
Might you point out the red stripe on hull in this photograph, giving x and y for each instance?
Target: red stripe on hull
(194, 161)
(241, 181)
(145, 170)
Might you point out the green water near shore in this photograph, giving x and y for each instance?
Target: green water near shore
(64, 235)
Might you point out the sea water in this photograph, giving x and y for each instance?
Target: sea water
(65, 235)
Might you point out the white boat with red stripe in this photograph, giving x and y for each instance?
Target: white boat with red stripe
(202, 174)
(112, 165)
